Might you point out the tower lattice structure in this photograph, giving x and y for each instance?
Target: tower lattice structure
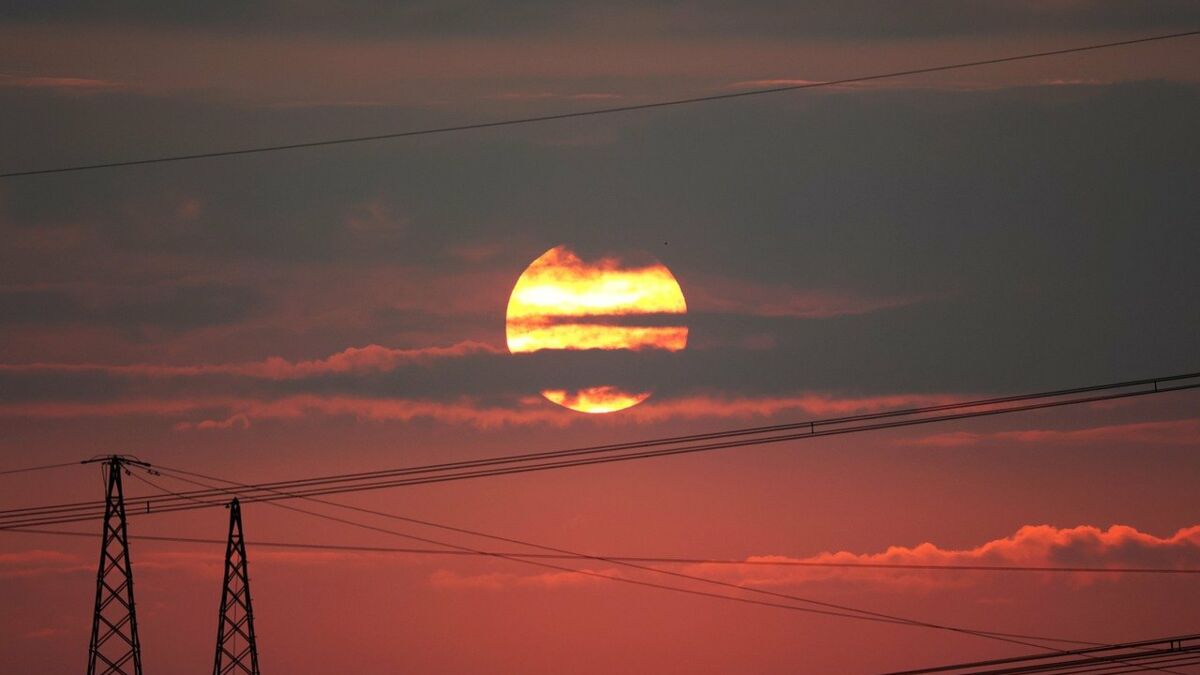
(237, 650)
(114, 648)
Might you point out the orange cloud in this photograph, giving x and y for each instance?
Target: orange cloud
(354, 360)
(43, 633)
(719, 407)
(242, 412)
(37, 562)
(73, 84)
(1169, 432)
(446, 579)
(769, 84)
(1031, 545)
(532, 412)
(549, 95)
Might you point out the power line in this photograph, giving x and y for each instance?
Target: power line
(529, 462)
(1014, 638)
(44, 467)
(672, 560)
(1145, 652)
(826, 608)
(595, 111)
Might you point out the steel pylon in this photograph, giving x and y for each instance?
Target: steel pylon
(237, 650)
(114, 648)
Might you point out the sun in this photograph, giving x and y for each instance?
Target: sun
(564, 302)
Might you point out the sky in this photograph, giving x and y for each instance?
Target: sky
(842, 250)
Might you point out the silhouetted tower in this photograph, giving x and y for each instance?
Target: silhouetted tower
(237, 651)
(114, 647)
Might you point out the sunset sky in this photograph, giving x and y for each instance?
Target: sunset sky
(841, 250)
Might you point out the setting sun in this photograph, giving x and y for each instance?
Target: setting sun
(564, 302)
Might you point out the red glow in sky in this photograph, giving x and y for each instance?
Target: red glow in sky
(845, 251)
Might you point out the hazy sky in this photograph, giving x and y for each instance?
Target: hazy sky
(849, 249)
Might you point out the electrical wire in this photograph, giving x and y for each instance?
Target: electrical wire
(44, 467)
(1148, 647)
(595, 111)
(671, 560)
(515, 464)
(830, 609)
(861, 614)
(1175, 655)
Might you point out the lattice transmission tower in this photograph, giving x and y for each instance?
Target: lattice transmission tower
(114, 648)
(237, 650)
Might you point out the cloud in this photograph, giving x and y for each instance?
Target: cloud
(532, 410)
(175, 307)
(549, 95)
(527, 411)
(499, 581)
(74, 85)
(1031, 545)
(737, 296)
(231, 412)
(769, 83)
(1168, 432)
(43, 633)
(353, 360)
(38, 562)
(528, 18)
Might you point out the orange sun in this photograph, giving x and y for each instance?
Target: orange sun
(563, 302)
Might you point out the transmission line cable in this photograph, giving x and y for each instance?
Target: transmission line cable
(862, 614)
(837, 610)
(515, 464)
(1127, 657)
(672, 560)
(597, 111)
(44, 467)
(560, 568)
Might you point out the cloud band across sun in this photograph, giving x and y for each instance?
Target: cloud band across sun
(563, 302)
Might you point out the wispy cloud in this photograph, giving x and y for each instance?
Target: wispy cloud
(770, 83)
(43, 633)
(550, 95)
(1119, 546)
(1031, 545)
(535, 411)
(79, 85)
(499, 581)
(353, 360)
(229, 413)
(39, 562)
(1168, 432)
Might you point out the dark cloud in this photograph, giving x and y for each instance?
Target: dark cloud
(1049, 227)
(853, 18)
(173, 308)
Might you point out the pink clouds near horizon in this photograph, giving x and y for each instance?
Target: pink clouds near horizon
(525, 411)
(499, 581)
(1163, 432)
(352, 360)
(1120, 546)
(77, 85)
(1031, 545)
